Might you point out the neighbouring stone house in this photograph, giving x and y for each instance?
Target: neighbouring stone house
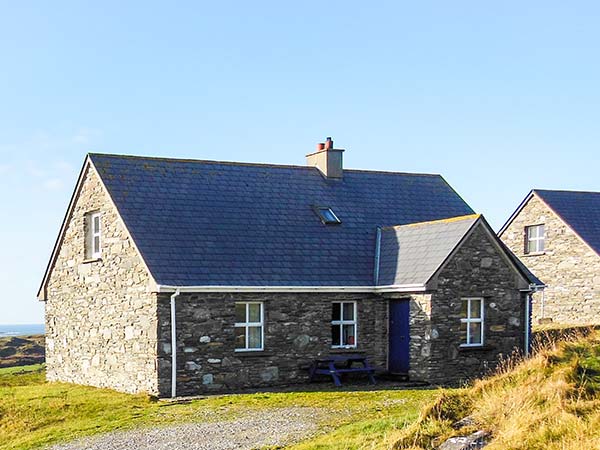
(178, 277)
(556, 234)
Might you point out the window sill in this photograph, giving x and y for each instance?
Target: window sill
(252, 353)
(91, 260)
(476, 348)
(534, 254)
(335, 350)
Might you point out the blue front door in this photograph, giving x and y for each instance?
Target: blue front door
(399, 336)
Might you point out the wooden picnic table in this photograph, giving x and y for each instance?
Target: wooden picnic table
(336, 365)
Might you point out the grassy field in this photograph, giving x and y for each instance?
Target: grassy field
(551, 401)
(34, 413)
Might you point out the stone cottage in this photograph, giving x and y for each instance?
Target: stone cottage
(177, 277)
(556, 234)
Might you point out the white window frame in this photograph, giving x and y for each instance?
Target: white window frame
(248, 325)
(469, 320)
(92, 234)
(340, 323)
(538, 239)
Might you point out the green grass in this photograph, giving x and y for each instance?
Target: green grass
(34, 413)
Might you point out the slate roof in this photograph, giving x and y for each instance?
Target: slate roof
(203, 223)
(580, 210)
(411, 254)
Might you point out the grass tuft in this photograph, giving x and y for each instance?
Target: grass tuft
(550, 401)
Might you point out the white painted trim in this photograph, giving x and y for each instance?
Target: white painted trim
(161, 288)
(343, 322)
(174, 345)
(247, 325)
(469, 320)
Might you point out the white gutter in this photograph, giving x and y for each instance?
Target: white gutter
(161, 288)
(174, 345)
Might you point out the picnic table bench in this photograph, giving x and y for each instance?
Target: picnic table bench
(336, 365)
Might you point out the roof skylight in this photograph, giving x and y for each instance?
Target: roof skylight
(327, 215)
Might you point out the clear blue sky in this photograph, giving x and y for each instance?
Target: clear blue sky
(499, 97)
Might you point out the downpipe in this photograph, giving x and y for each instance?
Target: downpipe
(174, 345)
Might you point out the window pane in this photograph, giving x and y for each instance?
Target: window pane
(96, 244)
(96, 224)
(254, 312)
(463, 332)
(463, 309)
(475, 329)
(335, 334)
(348, 335)
(540, 245)
(240, 312)
(541, 230)
(254, 337)
(475, 309)
(240, 337)
(336, 311)
(531, 247)
(348, 311)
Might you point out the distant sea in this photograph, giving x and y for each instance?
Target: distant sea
(21, 330)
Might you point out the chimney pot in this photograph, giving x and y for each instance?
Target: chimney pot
(329, 143)
(320, 146)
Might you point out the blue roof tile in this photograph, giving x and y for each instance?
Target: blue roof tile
(200, 223)
(580, 210)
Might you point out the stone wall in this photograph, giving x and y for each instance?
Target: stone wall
(477, 269)
(569, 268)
(297, 330)
(101, 324)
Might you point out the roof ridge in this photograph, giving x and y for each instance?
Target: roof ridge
(427, 222)
(565, 190)
(250, 164)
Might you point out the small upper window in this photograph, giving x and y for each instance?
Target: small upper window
(327, 216)
(534, 239)
(93, 236)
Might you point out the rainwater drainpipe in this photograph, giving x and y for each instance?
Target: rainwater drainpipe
(174, 346)
(377, 255)
(527, 320)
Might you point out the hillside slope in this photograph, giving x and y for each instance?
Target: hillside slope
(21, 351)
(551, 401)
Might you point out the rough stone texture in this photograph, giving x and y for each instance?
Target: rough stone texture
(101, 322)
(477, 269)
(297, 330)
(568, 266)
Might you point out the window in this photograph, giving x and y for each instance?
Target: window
(249, 326)
(343, 324)
(471, 322)
(326, 215)
(93, 235)
(534, 239)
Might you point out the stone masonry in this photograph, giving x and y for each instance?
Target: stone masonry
(477, 269)
(101, 323)
(297, 330)
(107, 328)
(568, 266)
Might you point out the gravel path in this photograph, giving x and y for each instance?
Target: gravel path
(279, 426)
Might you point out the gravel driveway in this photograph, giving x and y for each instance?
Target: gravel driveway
(271, 427)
